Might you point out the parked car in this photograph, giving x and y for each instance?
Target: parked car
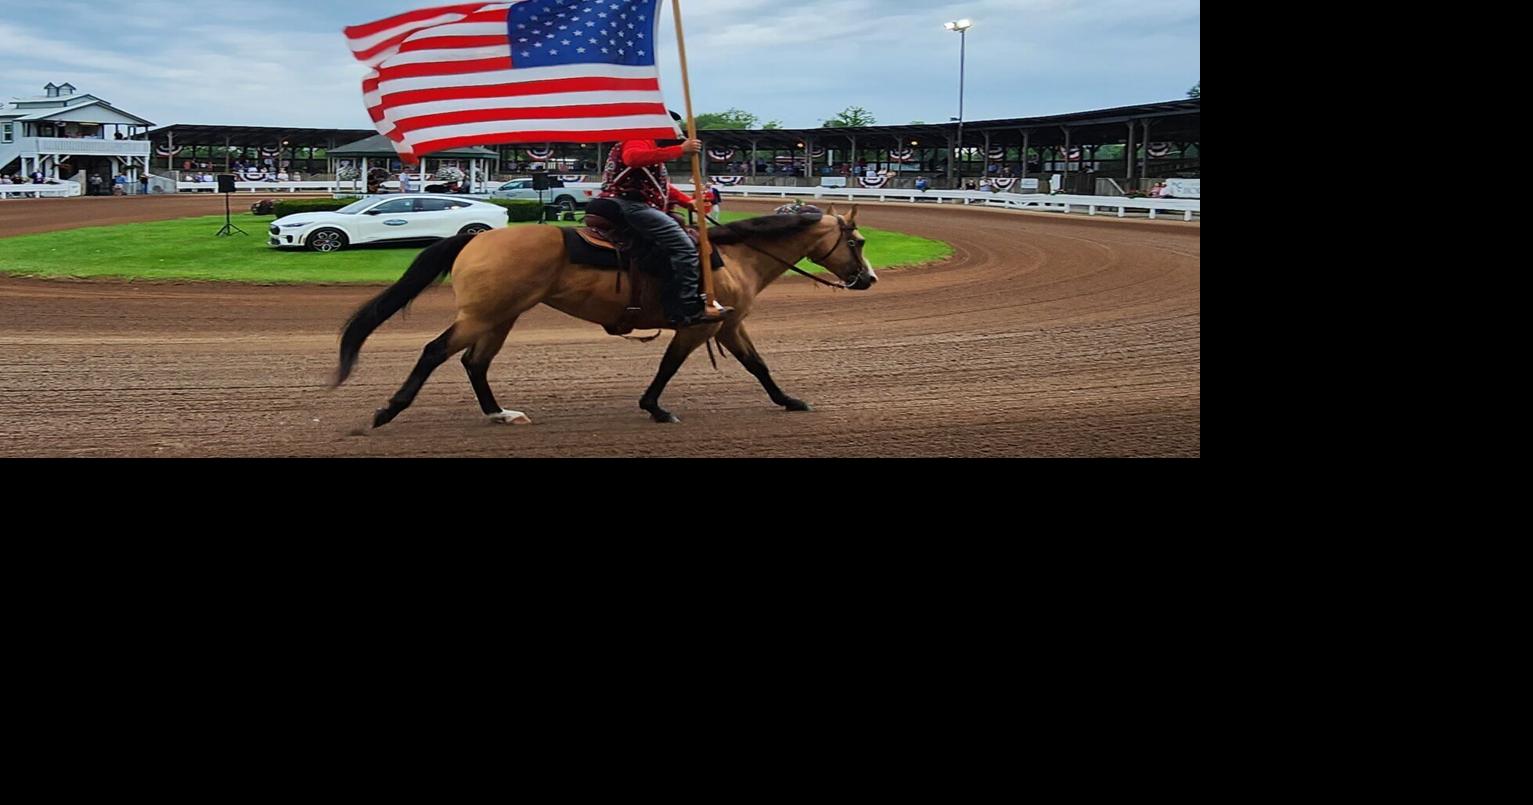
(568, 198)
(383, 219)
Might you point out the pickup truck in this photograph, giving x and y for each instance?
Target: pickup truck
(568, 198)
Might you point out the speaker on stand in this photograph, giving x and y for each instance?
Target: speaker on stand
(226, 186)
(541, 184)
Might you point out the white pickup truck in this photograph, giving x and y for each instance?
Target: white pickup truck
(570, 197)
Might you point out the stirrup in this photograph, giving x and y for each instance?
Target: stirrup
(702, 318)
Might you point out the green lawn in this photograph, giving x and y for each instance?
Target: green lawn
(186, 249)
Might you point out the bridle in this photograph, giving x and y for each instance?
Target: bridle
(852, 245)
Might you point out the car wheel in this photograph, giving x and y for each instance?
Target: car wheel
(473, 229)
(566, 204)
(327, 240)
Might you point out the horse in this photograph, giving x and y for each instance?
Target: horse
(500, 274)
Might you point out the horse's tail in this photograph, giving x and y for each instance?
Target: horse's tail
(432, 264)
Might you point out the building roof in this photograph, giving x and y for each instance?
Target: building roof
(253, 136)
(1179, 120)
(44, 114)
(381, 146)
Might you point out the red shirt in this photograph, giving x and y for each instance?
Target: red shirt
(645, 154)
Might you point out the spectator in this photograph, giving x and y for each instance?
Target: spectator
(715, 196)
(297, 177)
(404, 183)
(1159, 190)
(120, 185)
(143, 181)
(95, 184)
(37, 177)
(922, 185)
(282, 176)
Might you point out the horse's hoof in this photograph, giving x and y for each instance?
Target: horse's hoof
(511, 418)
(383, 417)
(797, 405)
(665, 418)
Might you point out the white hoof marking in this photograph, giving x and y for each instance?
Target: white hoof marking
(511, 418)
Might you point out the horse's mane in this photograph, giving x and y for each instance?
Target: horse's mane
(767, 226)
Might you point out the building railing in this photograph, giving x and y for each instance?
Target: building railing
(1017, 201)
(50, 190)
(85, 147)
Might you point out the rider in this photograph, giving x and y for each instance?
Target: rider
(637, 181)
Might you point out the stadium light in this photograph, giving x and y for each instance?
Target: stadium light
(962, 27)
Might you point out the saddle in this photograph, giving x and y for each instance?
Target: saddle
(605, 243)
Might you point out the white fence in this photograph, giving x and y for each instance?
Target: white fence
(265, 187)
(59, 190)
(349, 188)
(1091, 205)
(1016, 201)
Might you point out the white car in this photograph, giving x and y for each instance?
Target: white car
(568, 197)
(381, 219)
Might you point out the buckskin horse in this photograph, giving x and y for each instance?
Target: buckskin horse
(501, 274)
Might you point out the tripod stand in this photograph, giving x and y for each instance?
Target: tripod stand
(229, 227)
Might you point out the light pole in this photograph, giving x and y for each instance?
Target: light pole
(962, 27)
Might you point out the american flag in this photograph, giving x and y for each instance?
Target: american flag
(527, 71)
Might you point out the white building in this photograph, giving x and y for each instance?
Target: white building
(71, 136)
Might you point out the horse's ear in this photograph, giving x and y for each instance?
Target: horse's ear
(832, 212)
(852, 219)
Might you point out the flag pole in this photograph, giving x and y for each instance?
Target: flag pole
(700, 193)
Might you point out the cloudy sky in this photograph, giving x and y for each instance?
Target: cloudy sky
(284, 62)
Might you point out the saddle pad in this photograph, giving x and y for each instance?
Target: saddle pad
(583, 248)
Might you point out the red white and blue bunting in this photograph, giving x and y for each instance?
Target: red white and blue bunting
(570, 177)
(545, 152)
(1004, 183)
(1158, 150)
(254, 174)
(873, 182)
(902, 155)
(721, 154)
(729, 181)
(817, 152)
(167, 151)
(270, 150)
(997, 153)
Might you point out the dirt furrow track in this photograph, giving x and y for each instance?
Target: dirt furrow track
(1043, 336)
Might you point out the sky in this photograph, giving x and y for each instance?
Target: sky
(285, 62)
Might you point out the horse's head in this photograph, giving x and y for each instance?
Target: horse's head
(839, 250)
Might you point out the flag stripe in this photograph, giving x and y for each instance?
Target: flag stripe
(430, 68)
(465, 41)
(569, 114)
(583, 126)
(552, 135)
(451, 57)
(517, 76)
(521, 89)
(418, 18)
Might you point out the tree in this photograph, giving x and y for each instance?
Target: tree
(732, 119)
(851, 116)
(773, 124)
(1196, 91)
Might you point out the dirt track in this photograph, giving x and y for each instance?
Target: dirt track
(1043, 336)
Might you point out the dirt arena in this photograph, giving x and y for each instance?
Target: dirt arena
(1045, 335)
